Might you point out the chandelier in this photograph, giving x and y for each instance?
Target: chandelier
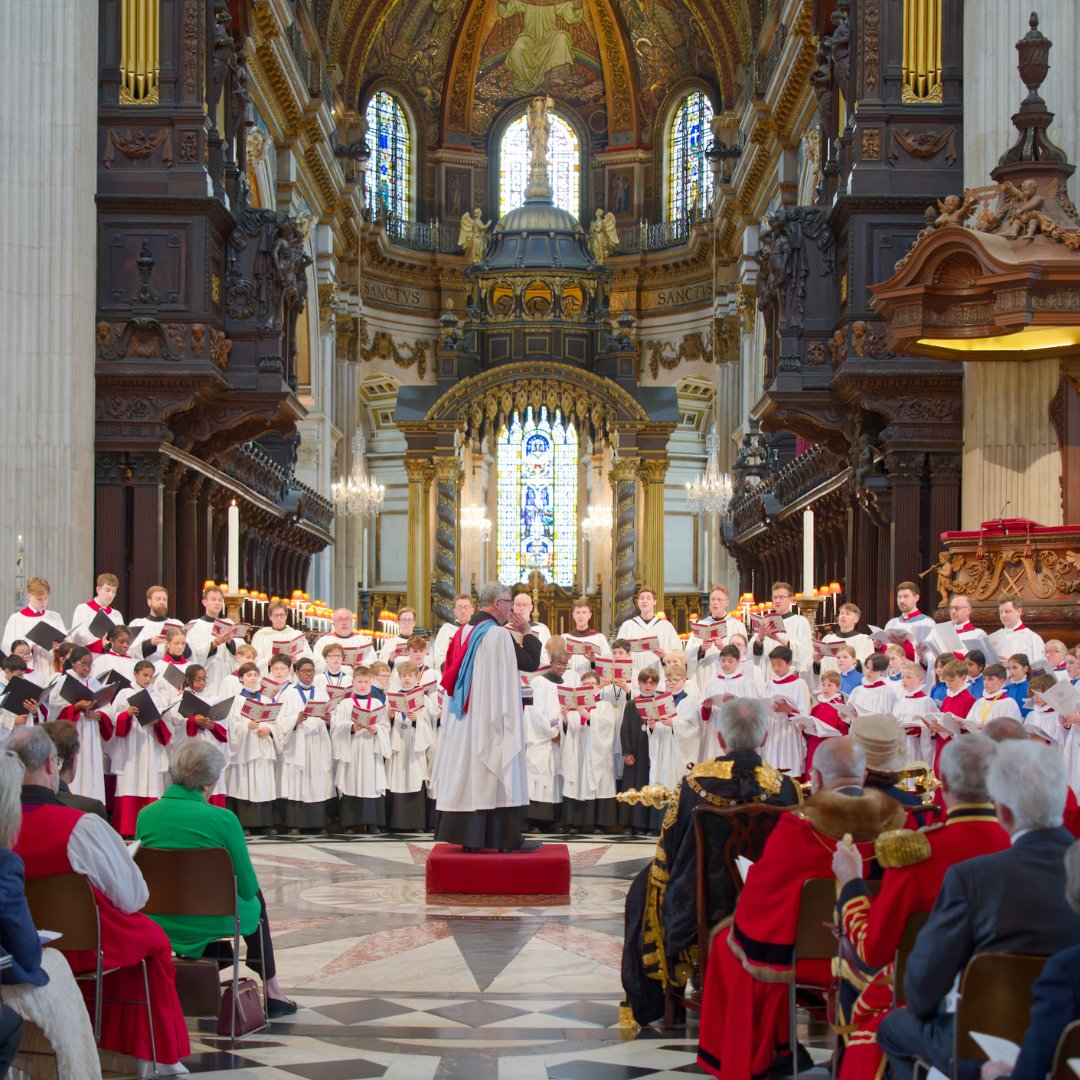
(596, 526)
(475, 523)
(358, 496)
(711, 492)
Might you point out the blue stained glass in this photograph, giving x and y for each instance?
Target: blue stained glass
(537, 506)
(563, 161)
(689, 175)
(388, 167)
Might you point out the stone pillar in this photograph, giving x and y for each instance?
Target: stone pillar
(1065, 412)
(905, 472)
(188, 581)
(944, 497)
(623, 477)
(651, 472)
(447, 496)
(146, 515)
(182, 605)
(418, 589)
(111, 521)
(48, 76)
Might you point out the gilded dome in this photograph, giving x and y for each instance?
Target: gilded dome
(538, 217)
(538, 235)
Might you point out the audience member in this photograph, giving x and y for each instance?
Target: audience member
(65, 737)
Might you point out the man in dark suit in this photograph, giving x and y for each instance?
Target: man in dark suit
(65, 738)
(1012, 901)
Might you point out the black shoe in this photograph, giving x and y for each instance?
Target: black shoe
(278, 1007)
(525, 845)
(781, 1065)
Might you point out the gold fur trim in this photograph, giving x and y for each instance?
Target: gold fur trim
(901, 847)
(864, 816)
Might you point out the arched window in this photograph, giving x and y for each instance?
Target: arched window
(563, 161)
(389, 168)
(689, 174)
(538, 486)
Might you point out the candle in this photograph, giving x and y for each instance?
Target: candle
(364, 552)
(808, 551)
(234, 549)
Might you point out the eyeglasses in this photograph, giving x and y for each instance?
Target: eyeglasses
(648, 680)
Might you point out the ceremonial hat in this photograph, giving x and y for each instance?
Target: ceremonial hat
(882, 740)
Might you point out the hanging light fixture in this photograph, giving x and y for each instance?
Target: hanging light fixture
(596, 526)
(475, 523)
(711, 492)
(358, 495)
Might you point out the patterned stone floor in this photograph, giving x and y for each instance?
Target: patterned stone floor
(390, 986)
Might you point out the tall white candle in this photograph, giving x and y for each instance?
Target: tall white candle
(233, 571)
(364, 552)
(808, 552)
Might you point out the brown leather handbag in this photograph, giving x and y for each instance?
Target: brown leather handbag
(248, 1005)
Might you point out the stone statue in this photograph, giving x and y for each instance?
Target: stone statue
(603, 236)
(538, 123)
(473, 237)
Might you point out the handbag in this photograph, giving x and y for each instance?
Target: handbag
(248, 1005)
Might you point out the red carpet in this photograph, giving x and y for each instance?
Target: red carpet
(544, 872)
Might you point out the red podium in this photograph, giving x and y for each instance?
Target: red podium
(454, 874)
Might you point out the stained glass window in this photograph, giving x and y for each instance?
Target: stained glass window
(388, 167)
(689, 175)
(563, 161)
(538, 486)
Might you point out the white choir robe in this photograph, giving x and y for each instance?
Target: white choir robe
(389, 646)
(1048, 721)
(145, 629)
(252, 771)
(1021, 640)
(544, 721)
(19, 622)
(737, 685)
(661, 629)
(580, 664)
(441, 644)
(895, 685)
(871, 698)
(799, 641)
(689, 731)
(862, 644)
(306, 762)
(218, 660)
(367, 647)
(700, 671)
(107, 662)
(262, 641)
(162, 687)
(84, 615)
(481, 760)
(1071, 750)
(361, 757)
(339, 680)
(919, 745)
(217, 738)
(1061, 673)
(8, 725)
(409, 746)
(140, 762)
(785, 744)
(972, 638)
(986, 708)
(89, 777)
(617, 699)
(543, 635)
(587, 754)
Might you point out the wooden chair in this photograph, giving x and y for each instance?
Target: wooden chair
(814, 940)
(193, 882)
(995, 998)
(915, 922)
(1068, 1047)
(746, 828)
(66, 903)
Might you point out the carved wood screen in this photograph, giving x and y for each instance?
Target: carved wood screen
(552, 605)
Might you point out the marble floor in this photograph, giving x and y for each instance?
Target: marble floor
(391, 986)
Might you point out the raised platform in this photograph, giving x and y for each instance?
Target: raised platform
(453, 873)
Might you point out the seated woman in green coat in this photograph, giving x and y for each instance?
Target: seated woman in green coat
(182, 819)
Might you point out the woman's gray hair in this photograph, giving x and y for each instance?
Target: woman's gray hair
(195, 764)
(1030, 780)
(11, 778)
(743, 723)
(491, 591)
(964, 764)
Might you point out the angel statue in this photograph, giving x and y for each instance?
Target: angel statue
(603, 236)
(473, 237)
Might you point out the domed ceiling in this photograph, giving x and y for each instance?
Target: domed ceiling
(613, 61)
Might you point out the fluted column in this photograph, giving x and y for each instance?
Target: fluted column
(48, 81)
(651, 473)
(418, 591)
(447, 496)
(623, 477)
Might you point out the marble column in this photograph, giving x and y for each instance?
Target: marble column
(651, 474)
(418, 589)
(623, 477)
(48, 144)
(447, 501)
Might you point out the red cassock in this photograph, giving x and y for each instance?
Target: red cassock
(125, 941)
(827, 714)
(744, 1014)
(957, 705)
(875, 926)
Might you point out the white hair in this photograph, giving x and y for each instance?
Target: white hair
(195, 764)
(11, 778)
(840, 759)
(963, 766)
(743, 723)
(491, 591)
(1029, 779)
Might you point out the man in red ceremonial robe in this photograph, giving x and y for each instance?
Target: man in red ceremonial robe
(744, 1014)
(57, 839)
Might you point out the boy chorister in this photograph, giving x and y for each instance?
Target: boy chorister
(788, 694)
(251, 778)
(862, 645)
(874, 695)
(587, 774)
(230, 685)
(914, 703)
(648, 624)
(334, 674)
(410, 740)
(137, 752)
(177, 656)
(676, 745)
(825, 711)
(306, 763)
(957, 702)
(634, 742)
(24, 620)
(360, 734)
(104, 592)
(583, 636)
(994, 701)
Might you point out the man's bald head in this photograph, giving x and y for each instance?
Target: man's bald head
(838, 762)
(1004, 728)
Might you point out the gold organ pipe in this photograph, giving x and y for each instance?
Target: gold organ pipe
(140, 53)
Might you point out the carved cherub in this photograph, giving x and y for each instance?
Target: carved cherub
(948, 564)
(1025, 210)
(955, 210)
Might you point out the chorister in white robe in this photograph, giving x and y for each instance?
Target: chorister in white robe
(217, 736)
(895, 684)
(441, 644)
(84, 615)
(1072, 757)
(799, 641)
(1048, 721)
(587, 754)
(872, 697)
(862, 644)
(350, 641)
(580, 664)
(785, 745)
(306, 762)
(218, 660)
(919, 740)
(481, 760)
(90, 774)
(360, 757)
(107, 662)
(410, 742)
(139, 759)
(146, 628)
(970, 638)
(252, 771)
(18, 624)
(544, 720)
(617, 699)
(689, 734)
(393, 649)
(1007, 643)
(721, 685)
(700, 669)
(262, 641)
(162, 687)
(668, 638)
(339, 680)
(990, 706)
